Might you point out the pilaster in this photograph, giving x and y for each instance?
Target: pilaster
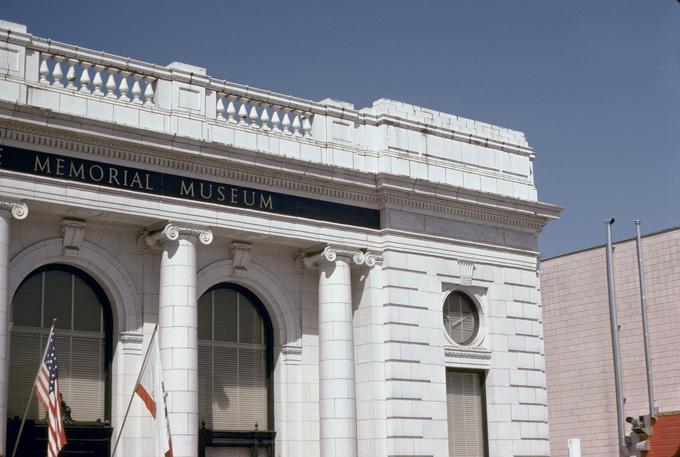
(8, 210)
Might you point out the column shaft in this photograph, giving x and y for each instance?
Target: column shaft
(337, 394)
(178, 340)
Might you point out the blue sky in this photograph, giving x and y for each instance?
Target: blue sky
(595, 85)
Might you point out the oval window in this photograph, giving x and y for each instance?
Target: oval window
(461, 319)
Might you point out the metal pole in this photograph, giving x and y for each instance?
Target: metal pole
(645, 327)
(613, 321)
(132, 396)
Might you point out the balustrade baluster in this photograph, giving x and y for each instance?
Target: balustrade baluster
(97, 82)
(220, 107)
(265, 117)
(123, 86)
(276, 120)
(242, 112)
(111, 83)
(231, 110)
(149, 93)
(44, 68)
(136, 89)
(286, 122)
(57, 73)
(296, 123)
(307, 125)
(71, 74)
(85, 77)
(253, 115)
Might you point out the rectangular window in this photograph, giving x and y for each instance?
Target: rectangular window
(465, 413)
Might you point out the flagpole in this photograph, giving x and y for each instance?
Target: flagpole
(132, 397)
(30, 396)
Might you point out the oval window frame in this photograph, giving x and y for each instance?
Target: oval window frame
(480, 323)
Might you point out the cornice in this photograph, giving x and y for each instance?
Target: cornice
(415, 196)
(469, 212)
(215, 167)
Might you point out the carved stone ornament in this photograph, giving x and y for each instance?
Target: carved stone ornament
(241, 252)
(466, 269)
(172, 232)
(19, 210)
(73, 231)
(331, 253)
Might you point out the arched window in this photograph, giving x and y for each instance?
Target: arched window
(82, 336)
(235, 360)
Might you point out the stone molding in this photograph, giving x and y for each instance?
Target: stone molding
(331, 253)
(132, 342)
(451, 352)
(18, 209)
(529, 216)
(96, 261)
(273, 293)
(292, 354)
(73, 231)
(172, 232)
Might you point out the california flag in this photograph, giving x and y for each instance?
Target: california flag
(152, 392)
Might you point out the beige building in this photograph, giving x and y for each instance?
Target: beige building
(579, 368)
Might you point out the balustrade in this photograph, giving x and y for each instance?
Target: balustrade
(78, 78)
(264, 116)
(129, 86)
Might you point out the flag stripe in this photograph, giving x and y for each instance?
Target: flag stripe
(49, 397)
(147, 399)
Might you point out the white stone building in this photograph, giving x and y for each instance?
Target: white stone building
(356, 281)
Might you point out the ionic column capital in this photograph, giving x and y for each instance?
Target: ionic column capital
(172, 232)
(330, 254)
(18, 209)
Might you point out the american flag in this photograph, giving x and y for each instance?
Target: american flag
(47, 391)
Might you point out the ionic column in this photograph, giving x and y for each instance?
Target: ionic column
(177, 329)
(337, 391)
(8, 210)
